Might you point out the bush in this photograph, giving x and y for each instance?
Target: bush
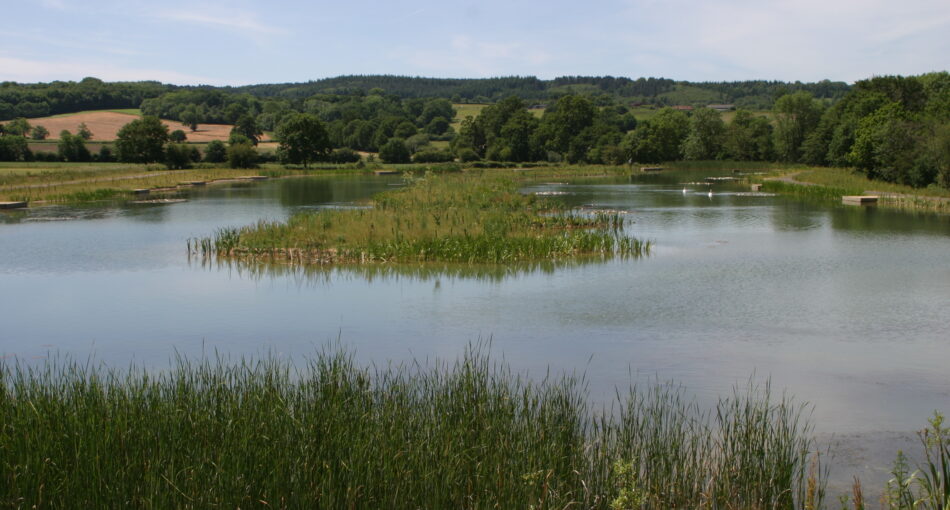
(394, 151)
(177, 136)
(177, 156)
(14, 148)
(242, 155)
(344, 155)
(216, 152)
(433, 156)
(105, 155)
(467, 155)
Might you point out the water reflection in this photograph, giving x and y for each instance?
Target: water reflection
(387, 272)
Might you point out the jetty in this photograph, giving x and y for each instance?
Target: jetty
(859, 199)
(386, 172)
(14, 205)
(651, 168)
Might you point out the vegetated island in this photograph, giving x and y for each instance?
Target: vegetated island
(471, 217)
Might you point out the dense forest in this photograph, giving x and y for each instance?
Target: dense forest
(892, 128)
(42, 99)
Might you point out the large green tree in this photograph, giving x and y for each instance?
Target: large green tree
(303, 139)
(142, 141)
(748, 138)
(705, 139)
(796, 116)
(72, 147)
(247, 126)
(658, 139)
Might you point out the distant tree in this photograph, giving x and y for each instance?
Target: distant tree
(748, 138)
(303, 139)
(216, 152)
(705, 137)
(569, 116)
(394, 151)
(84, 132)
(105, 155)
(242, 155)
(247, 125)
(658, 139)
(19, 127)
(433, 156)
(39, 133)
(177, 156)
(797, 115)
(142, 140)
(437, 126)
(191, 118)
(177, 136)
(344, 155)
(14, 148)
(72, 148)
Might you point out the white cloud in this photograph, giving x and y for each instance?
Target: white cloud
(465, 56)
(27, 71)
(226, 19)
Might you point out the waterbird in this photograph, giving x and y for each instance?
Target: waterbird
(710, 194)
(684, 191)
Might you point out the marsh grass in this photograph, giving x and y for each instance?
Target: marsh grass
(462, 218)
(826, 193)
(211, 433)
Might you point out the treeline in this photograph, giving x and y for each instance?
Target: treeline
(757, 94)
(892, 128)
(226, 104)
(42, 99)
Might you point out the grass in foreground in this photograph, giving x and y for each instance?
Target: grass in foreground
(450, 218)
(330, 434)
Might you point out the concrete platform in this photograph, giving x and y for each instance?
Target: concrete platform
(859, 199)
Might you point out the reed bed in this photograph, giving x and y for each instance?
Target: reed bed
(817, 192)
(211, 433)
(450, 218)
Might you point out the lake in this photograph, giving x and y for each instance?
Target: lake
(843, 307)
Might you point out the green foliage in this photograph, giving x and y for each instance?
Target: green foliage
(658, 139)
(433, 156)
(216, 152)
(448, 218)
(72, 148)
(18, 127)
(105, 155)
(178, 156)
(14, 148)
(328, 433)
(748, 138)
(177, 136)
(796, 116)
(394, 151)
(247, 125)
(706, 135)
(303, 139)
(142, 141)
(344, 155)
(41, 99)
(84, 132)
(242, 155)
(39, 133)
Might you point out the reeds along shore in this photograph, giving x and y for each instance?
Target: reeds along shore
(331, 434)
(449, 218)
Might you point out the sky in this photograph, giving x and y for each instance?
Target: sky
(238, 42)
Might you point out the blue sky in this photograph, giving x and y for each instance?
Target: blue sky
(238, 42)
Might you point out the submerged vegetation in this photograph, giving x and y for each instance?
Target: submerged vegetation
(452, 218)
(330, 434)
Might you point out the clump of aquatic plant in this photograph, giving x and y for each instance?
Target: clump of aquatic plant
(809, 191)
(328, 433)
(927, 488)
(449, 218)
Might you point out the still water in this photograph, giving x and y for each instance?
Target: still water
(844, 307)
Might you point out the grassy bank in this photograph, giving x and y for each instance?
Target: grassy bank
(476, 217)
(331, 434)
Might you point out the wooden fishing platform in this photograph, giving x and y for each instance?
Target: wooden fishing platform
(253, 177)
(386, 172)
(859, 199)
(192, 183)
(141, 191)
(651, 168)
(14, 205)
(756, 187)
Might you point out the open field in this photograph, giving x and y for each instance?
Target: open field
(105, 125)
